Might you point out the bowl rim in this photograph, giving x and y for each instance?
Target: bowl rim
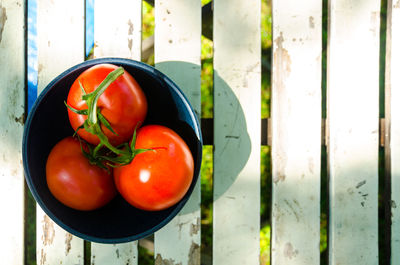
(117, 61)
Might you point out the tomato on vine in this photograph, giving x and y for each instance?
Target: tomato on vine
(159, 178)
(74, 181)
(121, 107)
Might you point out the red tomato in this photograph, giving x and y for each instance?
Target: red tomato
(123, 104)
(74, 181)
(159, 178)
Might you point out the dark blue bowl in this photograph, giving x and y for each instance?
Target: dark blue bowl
(48, 123)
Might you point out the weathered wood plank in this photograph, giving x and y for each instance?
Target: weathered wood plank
(121, 38)
(12, 101)
(60, 29)
(115, 254)
(296, 145)
(237, 114)
(177, 54)
(392, 117)
(353, 116)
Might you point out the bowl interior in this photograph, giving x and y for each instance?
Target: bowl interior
(48, 123)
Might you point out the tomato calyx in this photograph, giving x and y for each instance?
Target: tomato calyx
(89, 155)
(126, 158)
(104, 154)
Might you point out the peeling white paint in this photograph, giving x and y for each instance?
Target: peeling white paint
(12, 100)
(177, 47)
(393, 110)
(296, 93)
(54, 244)
(122, 35)
(237, 76)
(353, 93)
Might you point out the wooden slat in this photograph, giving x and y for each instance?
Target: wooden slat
(60, 29)
(121, 38)
(12, 98)
(177, 54)
(237, 107)
(353, 121)
(296, 140)
(392, 116)
(115, 254)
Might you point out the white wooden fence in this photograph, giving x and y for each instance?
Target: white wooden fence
(352, 129)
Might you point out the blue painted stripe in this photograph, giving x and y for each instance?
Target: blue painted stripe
(89, 26)
(32, 63)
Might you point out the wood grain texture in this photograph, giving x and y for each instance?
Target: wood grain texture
(115, 254)
(119, 37)
(60, 33)
(118, 28)
(177, 54)
(353, 120)
(12, 104)
(237, 82)
(392, 117)
(296, 141)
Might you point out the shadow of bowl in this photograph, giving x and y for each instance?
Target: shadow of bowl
(232, 143)
(48, 123)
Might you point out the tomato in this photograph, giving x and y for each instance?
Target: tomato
(159, 178)
(74, 181)
(123, 104)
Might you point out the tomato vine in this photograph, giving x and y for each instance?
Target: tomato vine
(104, 153)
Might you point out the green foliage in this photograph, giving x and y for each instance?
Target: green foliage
(266, 24)
(206, 78)
(145, 256)
(148, 23)
(30, 226)
(265, 207)
(323, 246)
(206, 178)
(266, 43)
(265, 238)
(266, 174)
(266, 184)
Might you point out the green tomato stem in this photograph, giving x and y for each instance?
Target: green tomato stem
(104, 140)
(97, 149)
(124, 154)
(92, 98)
(92, 124)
